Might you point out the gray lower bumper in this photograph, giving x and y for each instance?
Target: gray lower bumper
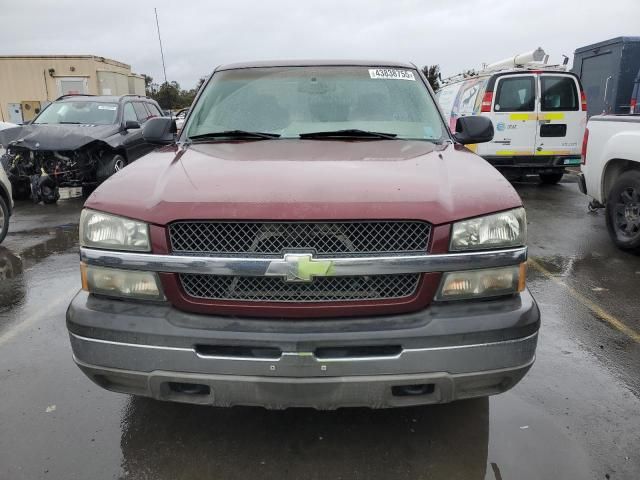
(323, 393)
(582, 184)
(442, 354)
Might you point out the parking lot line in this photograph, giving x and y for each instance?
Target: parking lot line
(595, 309)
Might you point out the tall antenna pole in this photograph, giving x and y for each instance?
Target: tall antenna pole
(164, 69)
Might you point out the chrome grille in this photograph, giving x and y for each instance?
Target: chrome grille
(321, 238)
(321, 289)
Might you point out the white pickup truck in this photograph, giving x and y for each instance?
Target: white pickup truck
(611, 174)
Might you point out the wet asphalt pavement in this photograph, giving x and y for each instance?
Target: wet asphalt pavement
(575, 415)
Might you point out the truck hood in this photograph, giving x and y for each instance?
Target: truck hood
(307, 179)
(56, 137)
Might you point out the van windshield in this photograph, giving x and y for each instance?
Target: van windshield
(293, 101)
(79, 112)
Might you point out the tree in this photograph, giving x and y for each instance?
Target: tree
(169, 95)
(432, 72)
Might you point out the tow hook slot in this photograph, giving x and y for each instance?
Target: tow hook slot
(238, 351)
(327, 353)
(413, 390)
(189, 388)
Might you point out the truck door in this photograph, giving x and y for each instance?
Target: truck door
(514, 116)
(561, 121)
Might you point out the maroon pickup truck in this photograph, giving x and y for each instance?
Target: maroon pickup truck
(314, 236)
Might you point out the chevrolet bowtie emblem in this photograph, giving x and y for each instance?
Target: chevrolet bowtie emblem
(299, 267)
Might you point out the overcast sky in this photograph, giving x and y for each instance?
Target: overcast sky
(198, 35)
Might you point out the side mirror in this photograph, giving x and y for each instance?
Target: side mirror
(473, 129)
(131, 125)
(159, 130)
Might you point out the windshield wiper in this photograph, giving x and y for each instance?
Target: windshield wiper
(235, 134)
(349, 133)
(69, 123)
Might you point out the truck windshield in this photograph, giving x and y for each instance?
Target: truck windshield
(79, 112)
(294, 101)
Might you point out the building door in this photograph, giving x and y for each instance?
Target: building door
(30, 109)
(72, 85)
(15, 113)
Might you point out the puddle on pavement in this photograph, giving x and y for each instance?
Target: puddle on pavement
(50, 241)
(162, 440)
(472, 439)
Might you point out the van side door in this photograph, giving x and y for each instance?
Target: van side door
(561, 122)
(514, 116)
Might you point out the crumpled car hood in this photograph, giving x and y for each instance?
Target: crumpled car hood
(56, 137)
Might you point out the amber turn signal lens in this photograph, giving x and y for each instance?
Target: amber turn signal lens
(83, 276)
(522, 277)
(485, 283)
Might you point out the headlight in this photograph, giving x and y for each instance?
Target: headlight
(491, 282)
(101, 230)
(121, 283)
(500, 230)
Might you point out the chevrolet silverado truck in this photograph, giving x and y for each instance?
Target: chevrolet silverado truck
(314, 236)
(611, 175)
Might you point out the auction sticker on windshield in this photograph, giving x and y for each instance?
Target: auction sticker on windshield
(391, 74)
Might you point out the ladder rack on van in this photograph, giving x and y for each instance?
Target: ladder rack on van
(529, 61)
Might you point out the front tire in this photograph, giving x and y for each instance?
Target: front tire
(551, 178)
(4, 218)
(108, 165)
(623, 211)
(21, 189)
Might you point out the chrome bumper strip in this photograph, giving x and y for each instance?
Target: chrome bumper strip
(339, 266)
(306, 355)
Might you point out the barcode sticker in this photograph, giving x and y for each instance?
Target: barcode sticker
(391, 74)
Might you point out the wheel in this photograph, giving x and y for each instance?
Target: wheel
(21, 189)
(623, 211)
(109, 164)
(87, 190)
(4, 218)
(49, 192)
(551, 178)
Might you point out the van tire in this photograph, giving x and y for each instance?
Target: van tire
(551, 178)
(109, 164)
(623, 211)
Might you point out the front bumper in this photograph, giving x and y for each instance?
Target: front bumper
(440, 354)
(582, 184)
(533, 163)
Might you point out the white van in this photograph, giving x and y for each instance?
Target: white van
(538, 116)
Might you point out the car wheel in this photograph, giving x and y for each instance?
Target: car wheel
(623, 211)
(4, 218)
(87, 190)
(49, 192)
(551, 178)
(110, 164)
(21, 189)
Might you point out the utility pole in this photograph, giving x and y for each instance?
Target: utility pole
(164, 69)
